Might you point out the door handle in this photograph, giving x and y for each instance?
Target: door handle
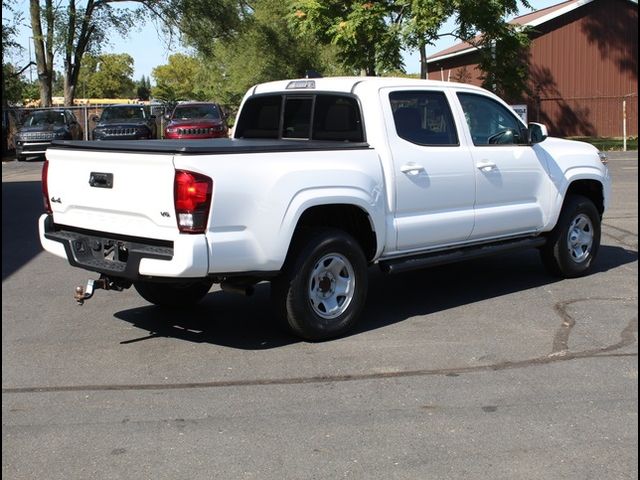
(486, 166)
(412, 168)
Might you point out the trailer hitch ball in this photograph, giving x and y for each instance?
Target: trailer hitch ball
(83, 293)
(105, 283)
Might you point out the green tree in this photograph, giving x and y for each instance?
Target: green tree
(57, 85)
(12, 85)
(366, 34)
(143, 88)
(75, 28)
(369, 35)
(502, 46)
(421, 23)
(176, 80)
(264, 47)
(113, 76)
(107, 76)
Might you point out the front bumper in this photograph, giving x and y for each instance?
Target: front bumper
(32, 148)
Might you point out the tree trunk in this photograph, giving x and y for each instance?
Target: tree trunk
(73, 55)
(44, 69)
(69, 92)
(69, 85)
(424, 70)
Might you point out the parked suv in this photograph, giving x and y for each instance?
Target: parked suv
(196, 120)
(125, 122)
(41, 127)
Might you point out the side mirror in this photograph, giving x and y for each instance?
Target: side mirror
(95, 118)
(537, 132)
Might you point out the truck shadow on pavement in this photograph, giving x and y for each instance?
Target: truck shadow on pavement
(21, 208)
(247, 323)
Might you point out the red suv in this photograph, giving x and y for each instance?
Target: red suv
(196, 120)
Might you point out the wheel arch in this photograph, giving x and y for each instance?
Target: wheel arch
(589, 188)
(347, 217)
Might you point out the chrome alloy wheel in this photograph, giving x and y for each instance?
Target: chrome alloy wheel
(331, 286)
(580, 238)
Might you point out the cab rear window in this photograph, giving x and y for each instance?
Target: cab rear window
(303, 117)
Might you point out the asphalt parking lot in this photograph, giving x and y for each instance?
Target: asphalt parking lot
(485, 370)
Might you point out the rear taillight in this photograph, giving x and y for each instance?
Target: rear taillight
(192, 197)
(45, 187)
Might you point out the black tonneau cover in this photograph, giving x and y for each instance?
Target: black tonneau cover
(213, 146)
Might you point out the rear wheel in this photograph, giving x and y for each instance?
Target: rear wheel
(21, 158)
(182, 294)
(574, 243)
(323, 287)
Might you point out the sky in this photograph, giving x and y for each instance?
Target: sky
(149, 50)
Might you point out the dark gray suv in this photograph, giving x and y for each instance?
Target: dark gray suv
(41, 127)
(125, 122)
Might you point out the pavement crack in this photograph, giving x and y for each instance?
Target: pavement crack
(560, 352)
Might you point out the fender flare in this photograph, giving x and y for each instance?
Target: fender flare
(371, 204)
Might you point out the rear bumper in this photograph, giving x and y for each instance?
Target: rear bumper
(130, 258)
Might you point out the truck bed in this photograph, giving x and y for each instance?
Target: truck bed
(213, 146)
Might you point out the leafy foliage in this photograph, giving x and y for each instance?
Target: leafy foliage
(262, 48)
(78, 28)
(143, 88)
(12, 85)
(370, 35)
(175, 81)
(502, 45)
(107, 76)
(366, 34)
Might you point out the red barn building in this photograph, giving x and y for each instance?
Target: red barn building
(583, 67)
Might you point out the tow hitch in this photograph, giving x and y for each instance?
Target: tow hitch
(104, 283)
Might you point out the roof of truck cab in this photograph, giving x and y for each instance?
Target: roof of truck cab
(347, 84)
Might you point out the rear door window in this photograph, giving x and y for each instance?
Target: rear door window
(423, 118)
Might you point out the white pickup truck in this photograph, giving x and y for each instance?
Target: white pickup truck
(321, 179)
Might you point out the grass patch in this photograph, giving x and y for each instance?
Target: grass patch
(608, 144)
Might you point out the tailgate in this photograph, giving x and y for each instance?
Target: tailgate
(116, 192)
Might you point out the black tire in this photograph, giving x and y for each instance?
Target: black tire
(573, 244)
(21, 158)
(174, 295)
(323, 287)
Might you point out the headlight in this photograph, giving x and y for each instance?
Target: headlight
(603, 158)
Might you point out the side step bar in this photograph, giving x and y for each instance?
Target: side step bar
(416, 262)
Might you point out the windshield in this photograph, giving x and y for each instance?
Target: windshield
(123, 113)
(188, 112)
(45, 117)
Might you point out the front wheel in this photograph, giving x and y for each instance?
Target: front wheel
(174, 295)
(573, 244)
(323, 287)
